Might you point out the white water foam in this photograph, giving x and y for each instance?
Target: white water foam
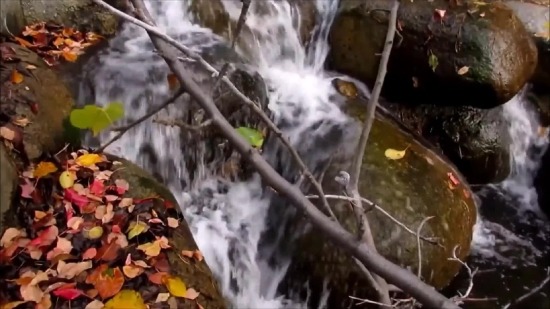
(227, 226)
(493, 240)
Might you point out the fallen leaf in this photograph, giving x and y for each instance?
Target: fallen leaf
(162, 297)
(95, 304)
(175, 285)
(94, 233)
(71, 270)
(394, 154)
(440, 13)
(126, 299)
(463, 70)
(7, 133)
(66, 180)
(16, 77)
(191, 294)
(75, 223)
(75, 198)
(107, 281)
(136, 228)
(45, 237)
(121, 186)
(173, 222)
(132, 271)
(9, 236)
(44, 169)
(150, 248)
(31, 292)
(156, 278)
(97, 187)
(13, 304)
(69, 294)
(45, 302)
(89, 159)
(108, 251)
(21, 121)
(90, 253)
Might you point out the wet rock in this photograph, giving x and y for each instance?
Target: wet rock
(535, 16)
(41, 98)
(419, 185)
(476, 140)
(81, 14)
(8, 180)
(221, 16)
(489, 39)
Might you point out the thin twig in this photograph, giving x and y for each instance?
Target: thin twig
(534, 291)
(384, 212)
(336, 233)
(154, 111)
(367, 301)
(183, 125)
(471, 274)
(208, 67)
(419, 274)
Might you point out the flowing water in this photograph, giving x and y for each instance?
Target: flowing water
(227, 219)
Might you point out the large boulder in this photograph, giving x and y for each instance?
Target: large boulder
(222, 16)
(430, 50)
(476, 140)
(419, 185)
(83, 15)
(536, 17)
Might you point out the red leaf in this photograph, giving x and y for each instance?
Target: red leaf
(68, 294)
(45, 237)
(75, 198)
(107, 252)
(97, 188)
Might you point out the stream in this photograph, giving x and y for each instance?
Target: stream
(510, 246)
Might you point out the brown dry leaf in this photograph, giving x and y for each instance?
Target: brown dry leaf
(16, 77)
(463, 70)
(107, 281)
(156, 278)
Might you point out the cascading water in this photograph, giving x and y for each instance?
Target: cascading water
(228, 219)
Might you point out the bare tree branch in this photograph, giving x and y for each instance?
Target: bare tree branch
(365, 233)
(154, 111)
(471, 273)
(183, 125)
(255, 107)
(402, 278)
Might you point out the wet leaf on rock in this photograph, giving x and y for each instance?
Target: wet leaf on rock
(175, 285)
(126, 299)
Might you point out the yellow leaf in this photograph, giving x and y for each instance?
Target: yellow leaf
(395, 154)
(150, 248)
(66, 180)
(126, 299)
(94, 233)
(88, 159)
(136, 228)
(44, 169)
(175, 286)
(463, 70)
(13, 304)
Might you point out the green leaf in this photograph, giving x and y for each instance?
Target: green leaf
(433, 61)
(96, 118)
(254, 137)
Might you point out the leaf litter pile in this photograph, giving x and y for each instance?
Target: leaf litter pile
(85, 244)
(52, 41)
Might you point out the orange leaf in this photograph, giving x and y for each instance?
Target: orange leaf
(58, 41)
(107, 281)
(24, 42)
(156, 278)
(16, 77)
(44, 169)
(69, 55)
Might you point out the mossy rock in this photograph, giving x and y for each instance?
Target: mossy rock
(83, 15)
(489, 39)
(42, 98)
(417, 186)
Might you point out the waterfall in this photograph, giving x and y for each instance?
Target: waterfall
(227, 220)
